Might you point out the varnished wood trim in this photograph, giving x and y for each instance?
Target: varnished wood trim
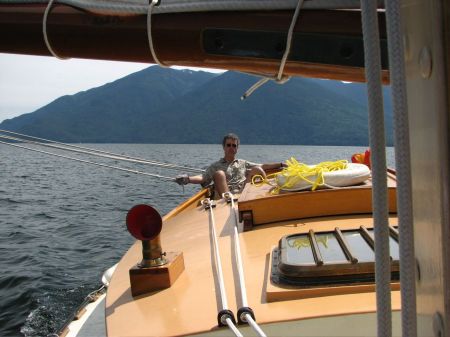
(247, 219)
(345, 247)
(366, 235)
(186, 204)
(315, 248)
(394, 233)
(178, 37)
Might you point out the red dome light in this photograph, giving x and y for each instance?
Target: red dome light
(144, 222)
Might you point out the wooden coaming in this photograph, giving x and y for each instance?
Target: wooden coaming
(264, 207)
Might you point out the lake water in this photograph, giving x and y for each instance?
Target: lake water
(62, 223)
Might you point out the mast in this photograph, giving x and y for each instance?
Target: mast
(426, 24)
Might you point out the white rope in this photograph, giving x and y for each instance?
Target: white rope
(237, 250)
(152, 4)
(44, 31)
(90, 162)
(263, 81)
(95, 152)
(208, 204)
(280, 79)
(379, 176)
(239, 265)
(212, 222)
(254, 87)
(254, 325)
(289, 40)
(233, 327)
(403, 169)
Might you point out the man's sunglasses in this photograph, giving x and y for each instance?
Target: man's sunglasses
(231, 145)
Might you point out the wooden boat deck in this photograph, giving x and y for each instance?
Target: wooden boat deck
(191, 305)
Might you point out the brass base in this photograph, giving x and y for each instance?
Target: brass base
(145, 280)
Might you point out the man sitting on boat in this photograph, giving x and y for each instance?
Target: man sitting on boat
(229, 173)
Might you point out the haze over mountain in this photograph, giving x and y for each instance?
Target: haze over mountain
(159, 105)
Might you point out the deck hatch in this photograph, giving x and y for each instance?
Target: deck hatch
(330, 258)
(362, 249)
(330, 248)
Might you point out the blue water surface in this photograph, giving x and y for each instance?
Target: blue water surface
(62, 223)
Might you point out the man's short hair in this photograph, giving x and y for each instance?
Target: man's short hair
(230, 136)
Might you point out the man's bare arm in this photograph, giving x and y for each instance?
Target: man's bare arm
(198, 179)
(273, 166)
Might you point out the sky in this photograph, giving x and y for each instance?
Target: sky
(30, 82)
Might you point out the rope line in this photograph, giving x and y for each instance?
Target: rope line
(233, 327)
(90, 162)
(212, 223)
(289, 39)
(223, 295)
(279, 78)
(403, 169)
(254, 87)
(254, 325)
(237, 249)
(99, 153)
(240, 269)
(151, 6)
(296, 172)
(129, 7)
(208, 205)
(372, 60)
(44, 32)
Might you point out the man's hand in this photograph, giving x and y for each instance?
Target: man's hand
(182, 179)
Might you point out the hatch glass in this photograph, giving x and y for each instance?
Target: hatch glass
(332, 257)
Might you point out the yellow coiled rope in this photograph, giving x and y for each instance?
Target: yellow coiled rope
(296, 172)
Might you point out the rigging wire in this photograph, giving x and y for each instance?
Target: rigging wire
(90, 151)
(90, 162)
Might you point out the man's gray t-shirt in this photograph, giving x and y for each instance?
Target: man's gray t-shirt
(235, 173)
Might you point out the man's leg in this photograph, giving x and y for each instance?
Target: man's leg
(220, 183)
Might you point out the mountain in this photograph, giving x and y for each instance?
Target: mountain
(358, 93)
(159, 105)
(109, 113)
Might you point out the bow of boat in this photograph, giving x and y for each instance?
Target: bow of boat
(191, 305)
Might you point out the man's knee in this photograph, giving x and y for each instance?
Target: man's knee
(220, 183)
(219, 175)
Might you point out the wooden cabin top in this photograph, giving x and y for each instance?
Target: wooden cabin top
(257, 205)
